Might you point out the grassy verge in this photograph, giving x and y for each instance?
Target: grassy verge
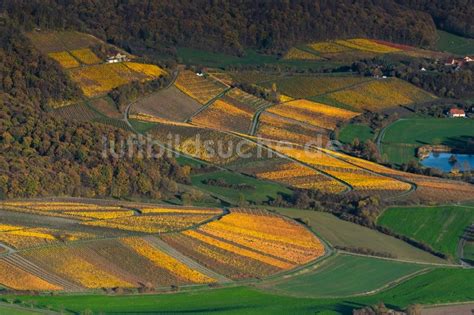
(252, 190)
(455, 44)
(352, 131)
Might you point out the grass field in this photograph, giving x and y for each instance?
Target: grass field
(403, 137)
(141, 126)
(346, 234)
(454, 44)
(349, 132)
(257, 190)
(429, 288)
(343, 275)
(440, 227)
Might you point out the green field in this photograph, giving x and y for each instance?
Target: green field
(455, 44)
(440, 227)
(257, 192)
(18, 310)
(469, 252)
(438, 286)
(343, 275)
(352, 131)
(141, 126)
(401, 138)
(346, 234)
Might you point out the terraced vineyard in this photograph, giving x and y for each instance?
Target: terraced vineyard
(360, 48)
(248, 99)
(364, 182)
(86, 56)
(79, 112)
(202, 89)
(64, 59)
(98, 79)
(202, 143)
(170, 103)
(428, 189)
(292, 174)
(308, 86)
(206, 246)
(91, 220)
(276, 127)
(248, 244)
(316, 114)
(380, 94)
(299, 54)
(106, 107)
(94, 77)
(225, 114)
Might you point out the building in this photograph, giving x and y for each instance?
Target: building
(117, 58)
(456, 113)
(451, 62)
(458, 62)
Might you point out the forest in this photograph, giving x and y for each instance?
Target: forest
(227, 26)
(454, 16)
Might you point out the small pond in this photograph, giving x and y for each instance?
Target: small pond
(443, 161)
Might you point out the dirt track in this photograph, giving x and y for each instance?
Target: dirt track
(460, 309)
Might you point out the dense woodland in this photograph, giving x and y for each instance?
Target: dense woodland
(454, 16)
(43, 155)
(227, 25)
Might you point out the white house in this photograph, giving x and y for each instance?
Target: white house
(117, 58)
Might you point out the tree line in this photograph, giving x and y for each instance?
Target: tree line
(226, 25)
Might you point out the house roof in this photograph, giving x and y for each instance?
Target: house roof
(456, 111)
